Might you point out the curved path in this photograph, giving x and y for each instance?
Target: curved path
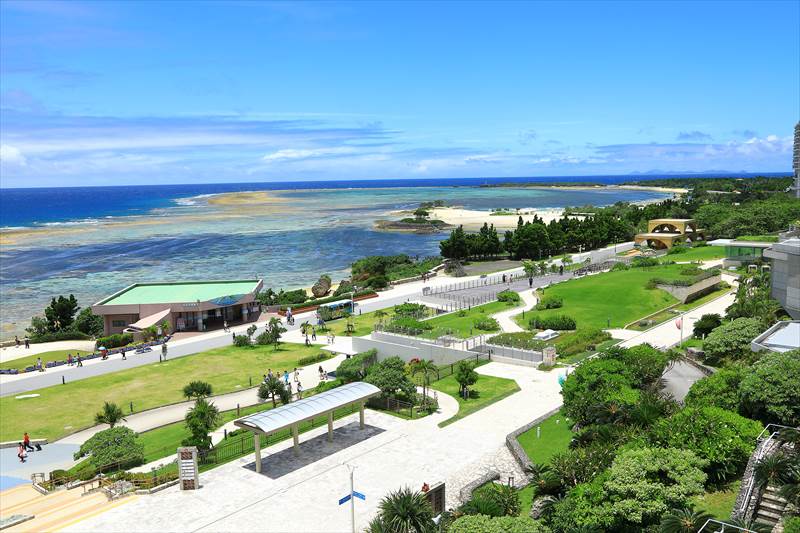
(505, 318)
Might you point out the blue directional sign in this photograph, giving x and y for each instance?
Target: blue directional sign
(344, 500)
(359, 495)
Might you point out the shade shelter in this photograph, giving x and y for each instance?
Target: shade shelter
(291, 415)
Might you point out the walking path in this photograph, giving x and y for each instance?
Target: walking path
(505, 318)
(10, 353)
(234, 498)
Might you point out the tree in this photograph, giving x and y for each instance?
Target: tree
(769, 391)
(645, 483)
(455, 246)
(596, 382)
(200, 421)
(275, 389)
(723, 438)
(731, 341)
(380, 314)
(111, 415)
(465, 376)
(529, 267)
(112, 447)
(404, 511)
(421, 214)
(706, 324)
(272, 333)
(355, 368)
(89, 323)
(389, 375)
(684, 521)
(197, 389)
(720, 389)
(427, 369)
(61, 313)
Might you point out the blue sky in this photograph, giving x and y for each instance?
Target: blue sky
(98, 93)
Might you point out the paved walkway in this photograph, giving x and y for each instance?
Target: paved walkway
(668, 334)
(10, 353)
(506, 318)
(679, 378)
(300, 493)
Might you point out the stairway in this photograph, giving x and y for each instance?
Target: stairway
(52, 511)
(770, 507)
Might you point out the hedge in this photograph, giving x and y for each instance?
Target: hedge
(557, 322)
(116, 340)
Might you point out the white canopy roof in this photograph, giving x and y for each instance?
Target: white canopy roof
(311, 407)
(151, 320)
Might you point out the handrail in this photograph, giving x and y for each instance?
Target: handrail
(724, 525)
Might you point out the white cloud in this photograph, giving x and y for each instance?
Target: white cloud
(11, 155)
(291, 154)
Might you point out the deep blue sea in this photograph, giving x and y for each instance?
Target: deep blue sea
(32, 206)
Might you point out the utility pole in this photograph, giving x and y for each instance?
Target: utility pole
(352, 500)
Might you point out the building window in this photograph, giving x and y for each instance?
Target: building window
(118, 323)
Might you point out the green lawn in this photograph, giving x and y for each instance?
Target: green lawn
(461, 324)
(719, 503)
(363, 325)
(55, 355)
(757, 238)
(62, 409)
(486, 391)
(555, 437)
(702, 253)
(617, 297)
(667, 314)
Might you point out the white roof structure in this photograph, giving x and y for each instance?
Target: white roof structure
(546, 335)
(781, 337)
(311, 407)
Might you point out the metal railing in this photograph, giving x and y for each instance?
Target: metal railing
(715, 526)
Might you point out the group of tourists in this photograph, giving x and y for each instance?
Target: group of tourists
(25, 446)
(17, 342)
(298, 387)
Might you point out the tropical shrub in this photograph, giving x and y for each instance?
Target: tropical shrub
(581, 341)
(88, 323)
(242, 340)
(523, 340)
(580, 465)
(731, 341)
(273, 388)
(197, 389)
(508, 296)
(770, 392)
(323, 386)
(502, 524)
(643, 262)
(486, 324)
(116, 340)
(645, 364)
(645, 483)
(504, 498)
(720, 389)
(345, 286)
(620, 266)
(706, 325)
(723, 438)
(112, 447)
(111, 414)
(404, 324)
(557, 322)
(549, 302)
(355, 368)
(311, 359)
(596, 381)
(583, 509)
(201, 420)
(403, 510)
(293, 297)
(410, 310)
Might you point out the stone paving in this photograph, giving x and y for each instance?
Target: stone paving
(303, 493)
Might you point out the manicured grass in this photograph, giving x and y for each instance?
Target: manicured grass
(758, 238)
(702, 253)
(462, 324)
(578, 357)
(719, 503)
(56, 355)
(526, 500)
(363, 325)
(554, 438)
(75, 404)
(611, 298)
(486, 391)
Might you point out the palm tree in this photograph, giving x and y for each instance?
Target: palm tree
(200, 421)
(274, 388)
(683, 521)
(465, 376)
(111, 415)
(380, 314)
(774, 469)
(428, 370)
(404, 511)
(197, 389)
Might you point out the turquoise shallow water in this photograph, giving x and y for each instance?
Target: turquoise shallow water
(289, 243)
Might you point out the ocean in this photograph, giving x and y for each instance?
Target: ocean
(93, 241)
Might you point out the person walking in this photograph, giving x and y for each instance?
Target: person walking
(124, 358)
(313, 333)
(233, 337)
(21, 453)
(224, 325)
(164, 351)
(27, 343)
(320, 372)
(296, 375)
(269, 372)
(69, 359)
(26, 441)
(299, 391)
(39, 364)
(286, 377)
(80, 360)
(16, 340)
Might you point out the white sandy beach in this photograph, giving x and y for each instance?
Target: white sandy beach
(474, 219)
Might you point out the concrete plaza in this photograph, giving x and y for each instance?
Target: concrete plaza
(301, 493)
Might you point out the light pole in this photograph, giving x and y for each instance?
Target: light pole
(352, 469)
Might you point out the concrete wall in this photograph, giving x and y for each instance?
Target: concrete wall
(382, 342)
(108, 320)
(683, 293)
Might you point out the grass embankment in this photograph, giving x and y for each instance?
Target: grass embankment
(610, 299)
(673, 312)
(554, 438)
(757, 238)
(718, 503)
(486, 391)
(30, 360)
(362, 324)
(462, 323)
(62, 409)
(701, 253)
